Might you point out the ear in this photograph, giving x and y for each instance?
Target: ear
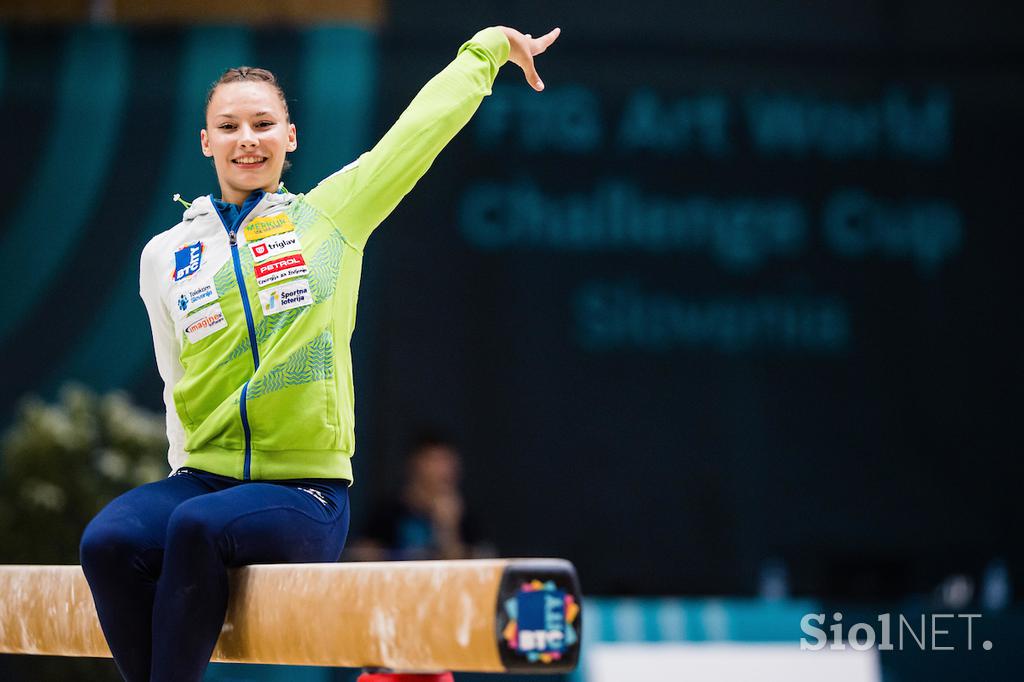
(204, 142)
(293, 141)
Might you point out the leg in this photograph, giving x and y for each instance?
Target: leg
(121, 554)
(251, 523)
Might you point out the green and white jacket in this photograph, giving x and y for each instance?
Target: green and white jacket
(252, 322)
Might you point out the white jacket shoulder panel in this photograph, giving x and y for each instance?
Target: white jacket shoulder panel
(176, 277)
(166, 343)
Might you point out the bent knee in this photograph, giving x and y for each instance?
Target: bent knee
(108, 542)
(190, 524)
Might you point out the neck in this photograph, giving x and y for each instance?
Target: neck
(237, 197)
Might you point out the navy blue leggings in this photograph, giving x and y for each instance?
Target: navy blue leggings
(156, 559)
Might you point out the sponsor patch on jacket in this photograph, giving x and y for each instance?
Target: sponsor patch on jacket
(187, 260)
(205, 322)
(285, 297)
(268, 226)
(195, 296)
(265, 248)
(281, 268)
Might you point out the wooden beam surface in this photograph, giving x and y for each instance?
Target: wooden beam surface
(409, 616)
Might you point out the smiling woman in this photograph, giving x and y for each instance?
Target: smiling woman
(252, 299)
(248, 132)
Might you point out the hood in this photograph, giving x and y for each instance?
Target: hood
(202, 205)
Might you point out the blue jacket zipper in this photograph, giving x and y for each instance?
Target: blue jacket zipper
(233, 241)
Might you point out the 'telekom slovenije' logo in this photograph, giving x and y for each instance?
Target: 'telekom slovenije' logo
(541, 621)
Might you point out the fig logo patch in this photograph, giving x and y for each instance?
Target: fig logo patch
(281, 268)
(187, 260)
(285, 297)
(204, 323)
(261, 228)
(272, 246)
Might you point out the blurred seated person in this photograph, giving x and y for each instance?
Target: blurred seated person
(428, 518)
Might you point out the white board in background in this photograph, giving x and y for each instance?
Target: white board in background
(727, 662)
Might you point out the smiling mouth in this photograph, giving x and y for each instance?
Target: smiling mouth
(249, 161)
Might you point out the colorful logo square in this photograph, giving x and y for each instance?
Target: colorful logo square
(187, 260)
(540, 624)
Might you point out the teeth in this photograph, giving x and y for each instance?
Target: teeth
(250, 159)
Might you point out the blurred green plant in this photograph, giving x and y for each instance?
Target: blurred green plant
(61, 463)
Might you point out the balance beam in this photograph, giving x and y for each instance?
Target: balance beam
(489, 615)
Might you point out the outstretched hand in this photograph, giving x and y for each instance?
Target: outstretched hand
(524, 48)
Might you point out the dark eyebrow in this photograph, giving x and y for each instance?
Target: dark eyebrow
(256, 115)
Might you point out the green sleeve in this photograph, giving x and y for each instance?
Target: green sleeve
(359, 196)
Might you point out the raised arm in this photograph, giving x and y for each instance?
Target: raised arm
(359, 196)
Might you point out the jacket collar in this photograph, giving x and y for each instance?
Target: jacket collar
(204, 204)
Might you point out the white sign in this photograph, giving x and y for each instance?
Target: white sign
(204, 323)
(285, 297)
(726, 662)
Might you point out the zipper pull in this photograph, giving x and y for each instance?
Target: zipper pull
(232, 239)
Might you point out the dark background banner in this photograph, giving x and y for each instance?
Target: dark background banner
(736, 286)
(697, 306)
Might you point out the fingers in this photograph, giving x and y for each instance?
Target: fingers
(538, 45)
(532, 77)
(533, 46)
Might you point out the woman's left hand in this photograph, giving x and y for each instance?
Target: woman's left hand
(524, 48)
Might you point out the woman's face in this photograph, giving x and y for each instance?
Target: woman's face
(247, 135)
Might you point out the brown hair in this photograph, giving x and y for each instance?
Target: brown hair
(249, 73)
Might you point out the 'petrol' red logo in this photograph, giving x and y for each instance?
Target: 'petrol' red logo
(282, 263)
